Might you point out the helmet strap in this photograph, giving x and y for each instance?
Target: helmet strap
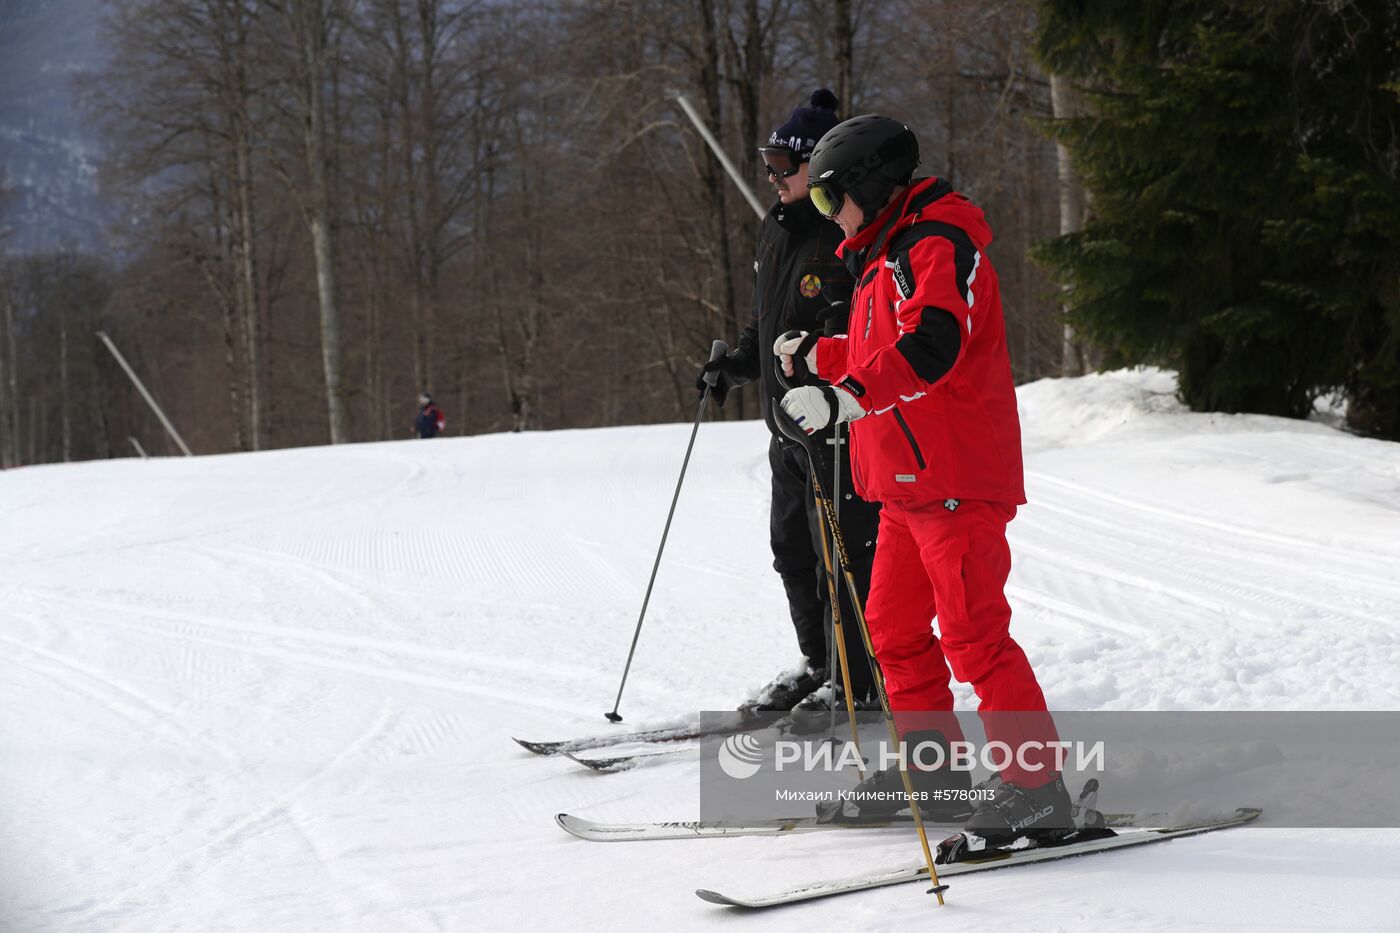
(871, 207)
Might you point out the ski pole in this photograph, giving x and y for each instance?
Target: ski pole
(837, 633)
(791, 429)
(836, 498)
(717, 349)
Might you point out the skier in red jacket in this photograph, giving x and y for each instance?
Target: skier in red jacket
(430, 420)
(924, 376)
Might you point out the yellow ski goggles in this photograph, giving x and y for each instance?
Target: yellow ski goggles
(826, 197)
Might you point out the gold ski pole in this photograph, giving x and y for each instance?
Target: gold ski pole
(837, 634)
(791, 429)
(859, 610)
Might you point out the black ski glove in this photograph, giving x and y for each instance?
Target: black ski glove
(833, 318)
(735, 368)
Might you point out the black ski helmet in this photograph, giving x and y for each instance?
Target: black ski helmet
(866, 157)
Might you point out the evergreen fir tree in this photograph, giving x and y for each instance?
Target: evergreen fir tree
(1242, 159)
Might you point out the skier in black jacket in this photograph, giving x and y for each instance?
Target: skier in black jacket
(800, 284)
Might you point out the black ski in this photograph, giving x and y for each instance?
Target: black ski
(683, 731)
(679, 733)
(620, 762)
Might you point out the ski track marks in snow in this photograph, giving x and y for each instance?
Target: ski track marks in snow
(455, 672)
(1167, 576)
(110, 694)
(245, 830)
(276, 691)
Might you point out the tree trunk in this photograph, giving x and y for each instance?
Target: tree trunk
(9, 451)
(950, 116)
(223, 223)
(331, 359)
(38, 439)
(10, 349)
(237, 95)
(315, 23)
(845, 55)
(1065, 106)
(712, 177)
(528, 312)
(247, 260)
(64, 418)
(431, 233)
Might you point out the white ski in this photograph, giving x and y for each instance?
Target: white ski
(1123, 839)
(595, 831)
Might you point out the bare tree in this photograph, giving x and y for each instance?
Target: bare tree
(9, 412)
(301, 37)
(340, 203)
(51, 302)
(9, 386)
(519, 298)
(419, 68)
(236, 95)
(179, 103)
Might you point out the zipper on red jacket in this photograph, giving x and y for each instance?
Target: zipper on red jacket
(909, 436)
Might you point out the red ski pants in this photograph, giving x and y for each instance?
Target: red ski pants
(953, 564)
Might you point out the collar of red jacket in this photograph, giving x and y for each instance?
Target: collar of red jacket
(927, 199)
(867, 234)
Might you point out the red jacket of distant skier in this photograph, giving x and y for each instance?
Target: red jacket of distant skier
(430, 420)
(925, 353)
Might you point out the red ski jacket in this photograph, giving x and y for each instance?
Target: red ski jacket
(925, 354)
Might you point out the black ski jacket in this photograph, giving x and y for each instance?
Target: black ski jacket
(796, 276)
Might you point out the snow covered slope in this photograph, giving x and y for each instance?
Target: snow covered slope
(276, 691)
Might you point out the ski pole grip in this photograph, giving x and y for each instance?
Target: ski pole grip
(789, 428)
(799, 366)
(717, 349)
(793, 432)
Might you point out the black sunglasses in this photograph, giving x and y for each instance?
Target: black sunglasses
(781, 163)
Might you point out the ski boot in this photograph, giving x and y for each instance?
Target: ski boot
(1040, 817)
(820, 700)
(783, 692)
(813, 713)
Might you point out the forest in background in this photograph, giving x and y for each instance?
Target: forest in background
(327, 207)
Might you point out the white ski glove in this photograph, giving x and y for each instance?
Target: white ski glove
(797, 343)
(814, 407)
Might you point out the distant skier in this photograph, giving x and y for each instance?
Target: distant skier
(797, 277)
(924, 377)
(430, 420)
